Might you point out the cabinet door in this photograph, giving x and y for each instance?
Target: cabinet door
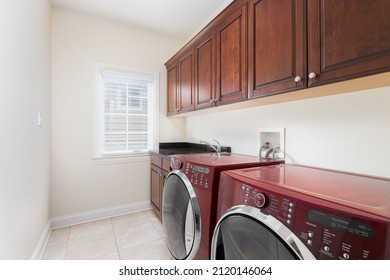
(186, 83)
(277, 46)
(172, 75)
(155, 179)
(205, 59)
(347, 39)
(232, 57)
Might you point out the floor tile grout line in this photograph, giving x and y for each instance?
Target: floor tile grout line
(143, 243)
(116, 241)
(151, 220)
(67, 242)
(115, 232)
(84, 238)
(153, 224)
(148, 221)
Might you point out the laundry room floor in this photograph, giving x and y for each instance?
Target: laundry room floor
(137, 236)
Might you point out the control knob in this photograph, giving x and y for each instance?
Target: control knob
(260, 200)
(176, 163)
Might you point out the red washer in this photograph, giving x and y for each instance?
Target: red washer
(300, 212)
(190, 200)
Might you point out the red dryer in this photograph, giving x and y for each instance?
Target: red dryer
(292, 211)
(189, 203)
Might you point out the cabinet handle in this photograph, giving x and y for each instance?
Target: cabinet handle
(297, 79)
(312, 75)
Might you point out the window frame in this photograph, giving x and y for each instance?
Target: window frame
(99, 157)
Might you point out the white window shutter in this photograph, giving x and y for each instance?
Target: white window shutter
(126, 111)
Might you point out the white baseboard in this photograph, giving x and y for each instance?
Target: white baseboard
(85, 217)
(40, 248)
(90, 216)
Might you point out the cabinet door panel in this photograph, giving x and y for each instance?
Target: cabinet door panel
(155, 179)
(348, 39)
(186, 77)
(232, 57)
(205, 73)
(277, 52)
(172, 90)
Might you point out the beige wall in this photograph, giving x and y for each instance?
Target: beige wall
(348, 132)
(327, 132)
(77, 184)
(24, 160)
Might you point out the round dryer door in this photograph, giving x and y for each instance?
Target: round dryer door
(180, 216)
(245, 233)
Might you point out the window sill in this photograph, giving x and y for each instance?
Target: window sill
(118, 159)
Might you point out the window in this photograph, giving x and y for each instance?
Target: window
(126, 111)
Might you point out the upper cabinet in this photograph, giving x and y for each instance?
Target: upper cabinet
(180, 93)
(276, 46)
(257, 48)
(172, 91)
(212, 68)
(232, 57)
(186, 83)
(205, 71)
(347, 39)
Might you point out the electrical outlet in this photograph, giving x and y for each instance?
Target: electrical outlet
(271, 142)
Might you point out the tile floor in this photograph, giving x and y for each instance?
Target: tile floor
(137, 236)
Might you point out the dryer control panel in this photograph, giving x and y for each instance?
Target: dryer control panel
(331, 234)
(282, 208)
(199, 176)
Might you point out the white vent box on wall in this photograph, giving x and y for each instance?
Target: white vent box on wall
(271, 142)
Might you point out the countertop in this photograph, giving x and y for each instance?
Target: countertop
(172, 148)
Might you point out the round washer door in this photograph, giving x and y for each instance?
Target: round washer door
(245, 233)
(180, 216)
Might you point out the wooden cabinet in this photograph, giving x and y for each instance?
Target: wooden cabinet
(276, 46)
(256, 48)
(220, 54)
(347, 39)
(186, 82)
(181, 85)
(172, 92)
(212, 68)
(205, 71)
(155, 186)
(159, 170)
(232, 57)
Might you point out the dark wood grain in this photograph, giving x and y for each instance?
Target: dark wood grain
(277, 46)
(348, 39)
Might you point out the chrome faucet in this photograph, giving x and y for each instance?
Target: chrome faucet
(217, 150)
(218, 146)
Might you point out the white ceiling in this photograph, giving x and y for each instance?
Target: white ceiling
(177, 18)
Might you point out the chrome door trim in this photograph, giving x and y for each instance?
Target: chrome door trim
(195, 210)
(272, 223)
